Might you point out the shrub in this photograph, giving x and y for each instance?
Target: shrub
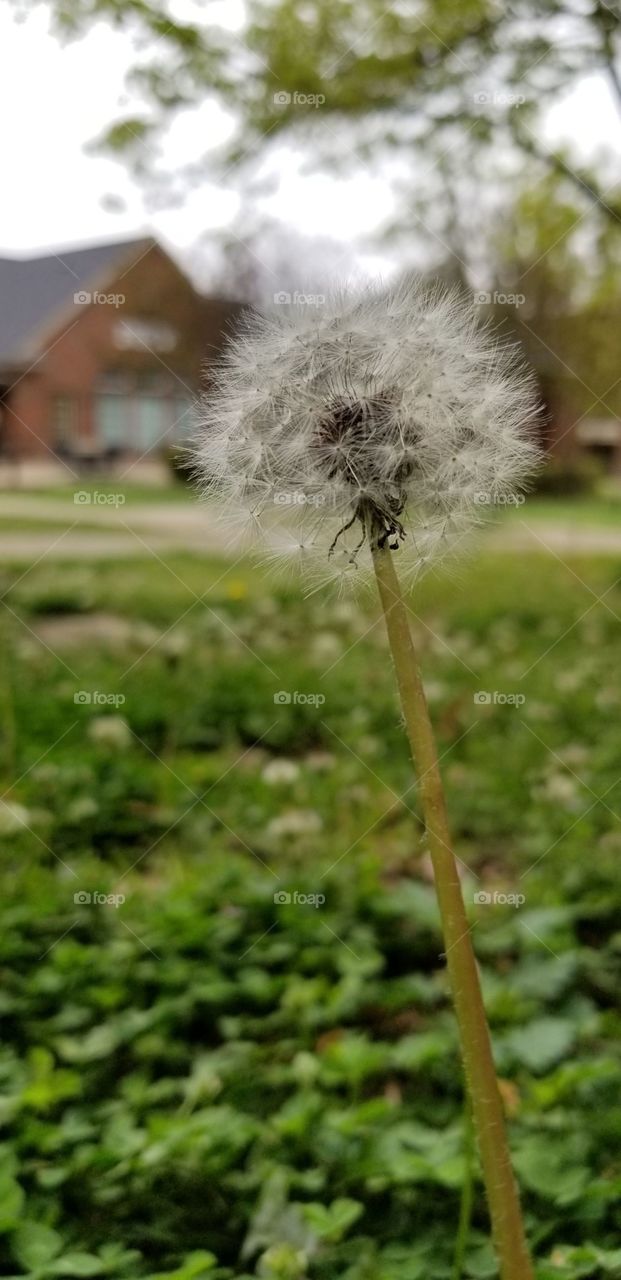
(569, 477)
(178, 460)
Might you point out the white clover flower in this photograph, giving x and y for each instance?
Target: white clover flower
(387, 416)
(278, 771)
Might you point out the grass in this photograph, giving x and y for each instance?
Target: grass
(603, 510)
(587, 510)
(201, 1081)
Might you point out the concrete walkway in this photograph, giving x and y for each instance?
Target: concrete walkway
(561, 539)
(87, 531)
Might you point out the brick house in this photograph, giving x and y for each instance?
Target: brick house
(575, 355)
(102, 351)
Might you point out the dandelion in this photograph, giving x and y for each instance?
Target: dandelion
(280, 771)
(388, 418)
(294, 822)
(110, 731)
(371, 434)
(13, 818)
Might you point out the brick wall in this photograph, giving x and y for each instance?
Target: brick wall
(70, 359)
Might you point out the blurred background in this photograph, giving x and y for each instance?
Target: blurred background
(228, 1050)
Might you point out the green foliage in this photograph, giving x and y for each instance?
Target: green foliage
(204, 1083)
(569, 477)
(458, 79)
(179, 463)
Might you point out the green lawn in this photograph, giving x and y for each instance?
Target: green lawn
(604, 509)
(203, 1081)
(596, 511)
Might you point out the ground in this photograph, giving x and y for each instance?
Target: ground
(120, 521)
(228, 1046)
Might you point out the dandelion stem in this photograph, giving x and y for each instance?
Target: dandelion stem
(482, 1084)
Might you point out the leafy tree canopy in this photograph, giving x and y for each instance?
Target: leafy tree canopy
(435, 91)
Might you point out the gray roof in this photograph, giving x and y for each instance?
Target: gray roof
(34, 292)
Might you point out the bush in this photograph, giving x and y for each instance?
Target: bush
(178, 459)
(569, 477)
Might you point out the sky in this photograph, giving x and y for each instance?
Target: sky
(62, 192)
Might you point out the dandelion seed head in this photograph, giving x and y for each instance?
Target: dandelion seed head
(387, 417)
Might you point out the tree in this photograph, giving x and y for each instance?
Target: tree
(558, 292)
(443, 97)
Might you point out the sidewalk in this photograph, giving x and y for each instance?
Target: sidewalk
(89, 531)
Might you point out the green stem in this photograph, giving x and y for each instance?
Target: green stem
(488, 1116)
(467, 1195)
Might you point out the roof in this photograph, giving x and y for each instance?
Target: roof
(35, 291)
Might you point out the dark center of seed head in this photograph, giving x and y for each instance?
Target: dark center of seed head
(347, 425)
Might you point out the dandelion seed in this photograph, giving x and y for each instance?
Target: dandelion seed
(389, 417)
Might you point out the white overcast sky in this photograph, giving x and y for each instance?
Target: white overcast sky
(55, 99)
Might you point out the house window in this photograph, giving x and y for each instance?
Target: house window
(182, 418)
(151, 419)
(139, 415)
(112, 415)
(64, 422)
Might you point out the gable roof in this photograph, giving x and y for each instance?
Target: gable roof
(33, 291)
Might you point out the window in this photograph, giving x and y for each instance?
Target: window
(140, 413)
(137, 334)
(112, 417)
(150, 421)
(64, 422)
(182, 418)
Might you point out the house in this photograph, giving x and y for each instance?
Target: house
(102, 352)
(575, 357)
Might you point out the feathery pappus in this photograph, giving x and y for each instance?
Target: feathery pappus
(385, 417)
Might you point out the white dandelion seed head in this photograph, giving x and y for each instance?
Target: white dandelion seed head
(387, 416)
